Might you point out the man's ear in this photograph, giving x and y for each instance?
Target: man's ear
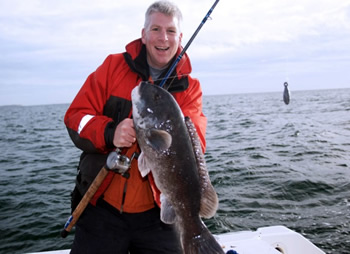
(143, 36)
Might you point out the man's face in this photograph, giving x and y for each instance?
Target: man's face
(162, 38)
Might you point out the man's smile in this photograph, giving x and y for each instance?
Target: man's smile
(162, 48)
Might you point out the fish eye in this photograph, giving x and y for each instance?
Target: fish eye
(156, 97)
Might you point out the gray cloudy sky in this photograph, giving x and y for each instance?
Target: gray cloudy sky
(49, 47)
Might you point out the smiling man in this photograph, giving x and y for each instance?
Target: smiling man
(123, 217)
(162, 37)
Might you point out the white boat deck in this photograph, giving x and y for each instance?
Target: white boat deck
(267, 240)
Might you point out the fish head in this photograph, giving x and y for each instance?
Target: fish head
(155, 113)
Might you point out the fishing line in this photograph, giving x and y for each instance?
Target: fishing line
(286, 69)
(173, 77)
(177, 60)
(286, 93)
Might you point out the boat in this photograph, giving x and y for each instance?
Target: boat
(265, 240)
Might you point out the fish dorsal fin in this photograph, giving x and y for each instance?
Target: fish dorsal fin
(159, 140)
(209, 199)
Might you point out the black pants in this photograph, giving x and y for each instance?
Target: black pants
(102, 229)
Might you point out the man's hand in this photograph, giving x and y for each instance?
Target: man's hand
(124, 135)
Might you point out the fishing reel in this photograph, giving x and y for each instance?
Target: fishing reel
(119, 163)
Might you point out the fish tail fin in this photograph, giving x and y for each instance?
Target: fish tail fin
(205, 243)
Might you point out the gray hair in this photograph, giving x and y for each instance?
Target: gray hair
(165, 7)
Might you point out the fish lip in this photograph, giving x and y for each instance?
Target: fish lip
(135, 93)
(137, 90)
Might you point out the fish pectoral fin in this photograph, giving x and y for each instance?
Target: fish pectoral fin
(159, 140)
(167, 213)
(142, 165)
(209, 202)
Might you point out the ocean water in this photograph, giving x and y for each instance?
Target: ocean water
(271, 164)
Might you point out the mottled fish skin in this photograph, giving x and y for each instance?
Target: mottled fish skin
(167, 152)
(286, 94)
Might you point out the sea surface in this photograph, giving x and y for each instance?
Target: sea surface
(271, 164)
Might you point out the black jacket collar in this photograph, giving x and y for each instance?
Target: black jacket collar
(138, 64)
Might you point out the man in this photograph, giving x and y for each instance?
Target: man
(123, 216)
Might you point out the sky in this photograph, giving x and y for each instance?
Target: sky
(49, 47)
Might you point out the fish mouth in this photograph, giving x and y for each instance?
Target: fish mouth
(137, 91)
(135, 94)
(138, 103)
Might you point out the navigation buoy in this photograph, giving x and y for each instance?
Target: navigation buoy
(286, 94)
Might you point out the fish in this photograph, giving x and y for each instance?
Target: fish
(286, 94)
(171, 152)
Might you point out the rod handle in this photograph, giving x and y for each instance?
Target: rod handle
(84, 201)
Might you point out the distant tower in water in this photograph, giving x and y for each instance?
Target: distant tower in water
(286, 94)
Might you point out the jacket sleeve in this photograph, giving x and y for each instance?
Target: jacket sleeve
(84, 119)
(191, 104)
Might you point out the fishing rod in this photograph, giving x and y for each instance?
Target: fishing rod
(187, 45)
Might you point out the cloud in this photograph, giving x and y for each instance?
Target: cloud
(55, 44)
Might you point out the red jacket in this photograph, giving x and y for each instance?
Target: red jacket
(105, 100)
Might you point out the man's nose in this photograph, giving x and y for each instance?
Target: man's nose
(163, 35)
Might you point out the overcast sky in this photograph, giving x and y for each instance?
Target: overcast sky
(49, 47)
